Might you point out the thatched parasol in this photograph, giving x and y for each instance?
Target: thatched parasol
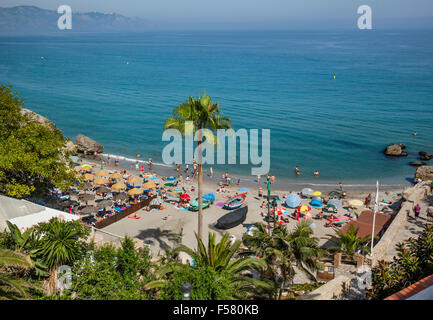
(116, 175)
(102, 173)
(118, 186)
(88, 177)
(135, 192)
(149, 185)
(100, 181)
(134, 180)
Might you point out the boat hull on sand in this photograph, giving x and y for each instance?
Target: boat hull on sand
(232, 219)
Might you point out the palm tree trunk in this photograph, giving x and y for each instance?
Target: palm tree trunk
(200, 191)
(282, 285)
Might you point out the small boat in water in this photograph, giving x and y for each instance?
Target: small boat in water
(232, 219)
(235, 202)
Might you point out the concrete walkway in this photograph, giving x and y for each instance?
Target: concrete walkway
(412, 227)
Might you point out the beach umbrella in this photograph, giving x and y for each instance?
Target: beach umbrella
(356, 203)
(100, 181)
(85, 168)
(88, 210)
(317, 193)
(86, 197)
(308, 215)
(87, 186)
(74, 159)
(280, 210)
(317, 198)
(335, 202)
(316, 203)
(209, 196)
(185, 196)
(331, 206)
(307, 192)
(134, 180)
(116, 175)
(343, 218)
(120, 196)
(102, 173)
(149, 185)
(88, 177)
(118, 186)
(135, 191)
(103, 189)
(335, 194)
(304, 208)
(244, 190)
(105, 203)
(293, 200)
(171, 178)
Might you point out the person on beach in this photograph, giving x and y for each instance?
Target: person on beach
(186, 169)
(272, 179)
(150, 164)
(116, 161)
(417, 210)
(239, 182)
(137, 166)
(260, 192)
(108, 159)
(258, 179)
(178, 169)
(211, 172)
(95, 155)
(316, 173)
(341, 186)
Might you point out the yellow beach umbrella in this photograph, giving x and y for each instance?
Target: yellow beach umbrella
(88, 177)
(86, 165)
(356, 203)
(149, 185)
(118, 186)
(135, 191)
(116, 175)
(317, 193)
(100, 181)
(85, 169)
(304, 208)
(133, 180)
(102, 173)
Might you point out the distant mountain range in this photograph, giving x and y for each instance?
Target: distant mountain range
(31, 19)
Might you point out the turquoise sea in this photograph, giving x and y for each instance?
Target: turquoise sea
(119, 88)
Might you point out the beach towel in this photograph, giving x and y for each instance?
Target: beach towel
(136, 218)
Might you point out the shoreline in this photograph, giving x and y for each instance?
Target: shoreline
(281, 184)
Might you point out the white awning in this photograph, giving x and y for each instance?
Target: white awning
(25, 222)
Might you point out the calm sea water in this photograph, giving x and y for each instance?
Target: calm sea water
(118, 89)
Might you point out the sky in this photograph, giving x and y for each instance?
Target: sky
(254, 14)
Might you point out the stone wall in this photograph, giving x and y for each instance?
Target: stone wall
(330, 290)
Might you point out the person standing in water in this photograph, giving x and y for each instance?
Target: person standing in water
(316, 173)
(150, 164)
(297, 172)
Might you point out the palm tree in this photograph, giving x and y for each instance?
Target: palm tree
(18, 286)
(283, 250)
(204, 114)
(221, 257)
(349, 242)
(60, 244)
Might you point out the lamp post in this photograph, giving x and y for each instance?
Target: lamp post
(186, 288)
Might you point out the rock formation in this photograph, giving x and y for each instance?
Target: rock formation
(395, 150)
(86, 144)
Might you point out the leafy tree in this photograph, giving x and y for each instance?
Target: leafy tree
(107, 273)
(11, 286)
(349, 242)
(204, 114)
(32, 156)
(413, 262)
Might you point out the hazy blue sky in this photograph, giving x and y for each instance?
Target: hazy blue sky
(223, 14)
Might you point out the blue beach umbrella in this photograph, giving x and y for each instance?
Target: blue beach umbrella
(209, 196)
(316, 203)
(335, 202)
(293, 200)
(171, 178)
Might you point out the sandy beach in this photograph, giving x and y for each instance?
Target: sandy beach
(155, 230)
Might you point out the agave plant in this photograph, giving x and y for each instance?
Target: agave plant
(15, 287)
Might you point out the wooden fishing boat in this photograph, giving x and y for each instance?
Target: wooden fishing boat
(194, 204)
(235, 202)
(232, 219)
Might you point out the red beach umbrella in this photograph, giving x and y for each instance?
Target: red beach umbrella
(185, 196)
